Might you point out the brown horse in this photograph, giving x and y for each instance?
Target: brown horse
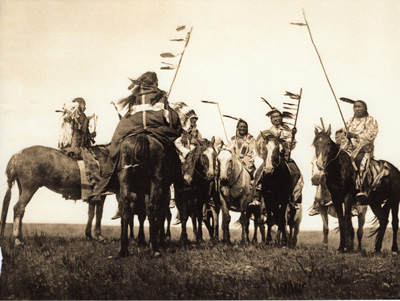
(337, 167)
(233, 184)
(199, 173)
(276, 183)
(40, 166)
(144, 185)
(322, 197)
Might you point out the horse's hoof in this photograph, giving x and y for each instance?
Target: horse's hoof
(89, 238)
(101, 238)
(157, 254)
(18, 242)
(123, 253)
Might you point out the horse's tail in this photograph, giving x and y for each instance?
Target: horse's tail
(11, 173)
(141, 150)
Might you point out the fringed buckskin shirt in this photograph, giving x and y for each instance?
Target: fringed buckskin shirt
(367, 130)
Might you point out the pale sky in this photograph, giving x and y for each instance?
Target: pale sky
(53, 51)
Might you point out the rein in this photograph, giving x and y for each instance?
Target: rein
(237, 178)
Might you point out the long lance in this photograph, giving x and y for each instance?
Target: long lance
(220, 115)
(295, 122)
(180, 60)
(322, 65)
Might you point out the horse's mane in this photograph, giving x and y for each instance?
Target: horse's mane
(191, 159)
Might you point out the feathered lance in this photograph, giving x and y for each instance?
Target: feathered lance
(181, 55)
(220, 115)
(298, 97)
(322, 65)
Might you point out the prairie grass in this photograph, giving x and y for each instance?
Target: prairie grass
(57, 262)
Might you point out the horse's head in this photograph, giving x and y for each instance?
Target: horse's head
(269, 149)
(225, 166)
(324, 152)
(202, 160)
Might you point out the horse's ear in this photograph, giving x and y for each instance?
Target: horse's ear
(213, 140)
(263, 135)
(316, 131)
(328, 131)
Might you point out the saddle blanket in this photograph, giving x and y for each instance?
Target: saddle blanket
(86, 189)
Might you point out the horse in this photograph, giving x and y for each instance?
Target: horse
(144, 183)
(276, 183)
(323, 197)
(336, 165)
(198, 172)
(39, 166)
(235, 191)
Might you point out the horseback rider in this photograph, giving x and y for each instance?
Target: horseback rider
(190, 135)
(358, 142)
(79, 135)
(242, 145)
(147, 111)
(282, 130)
(76, 139)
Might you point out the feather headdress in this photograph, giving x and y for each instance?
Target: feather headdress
(185, 113)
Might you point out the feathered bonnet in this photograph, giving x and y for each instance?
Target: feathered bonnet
(185, 113)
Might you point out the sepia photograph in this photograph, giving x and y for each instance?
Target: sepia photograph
(208, 150)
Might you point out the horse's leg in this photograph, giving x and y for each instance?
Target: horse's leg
(395, 225)
(323, 210)
(126, 210)
(169, 217)
(182, 207)
(349, 224)
(99, 215)
(19, 211)
(141, 214)
(199, 219)
(88, 229)
(255, 238)
(282, 226)
(226, 218)
(262, 231)
(342, 226)
(131, 227)
(270, 224)
(360, 230)
(245, 228)
(215, 223)
(382, 216)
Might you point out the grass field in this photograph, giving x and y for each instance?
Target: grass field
(57, 262)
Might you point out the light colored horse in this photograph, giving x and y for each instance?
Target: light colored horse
(233, 184)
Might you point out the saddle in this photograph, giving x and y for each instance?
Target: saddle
(376, 171)
(90, 173)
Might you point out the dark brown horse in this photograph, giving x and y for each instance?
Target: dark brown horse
(144, 185)
(322, 197)
(40, 166)
(276, 183)
(199, 173)
(337, 167)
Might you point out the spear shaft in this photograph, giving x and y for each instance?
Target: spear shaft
(323, 68)
(180, 60)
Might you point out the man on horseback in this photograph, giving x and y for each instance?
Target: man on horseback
(148, 111)
(77, 133)
(190, 135)
(242, 145)
(282, 130)
(358, 142)
(76, 140)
